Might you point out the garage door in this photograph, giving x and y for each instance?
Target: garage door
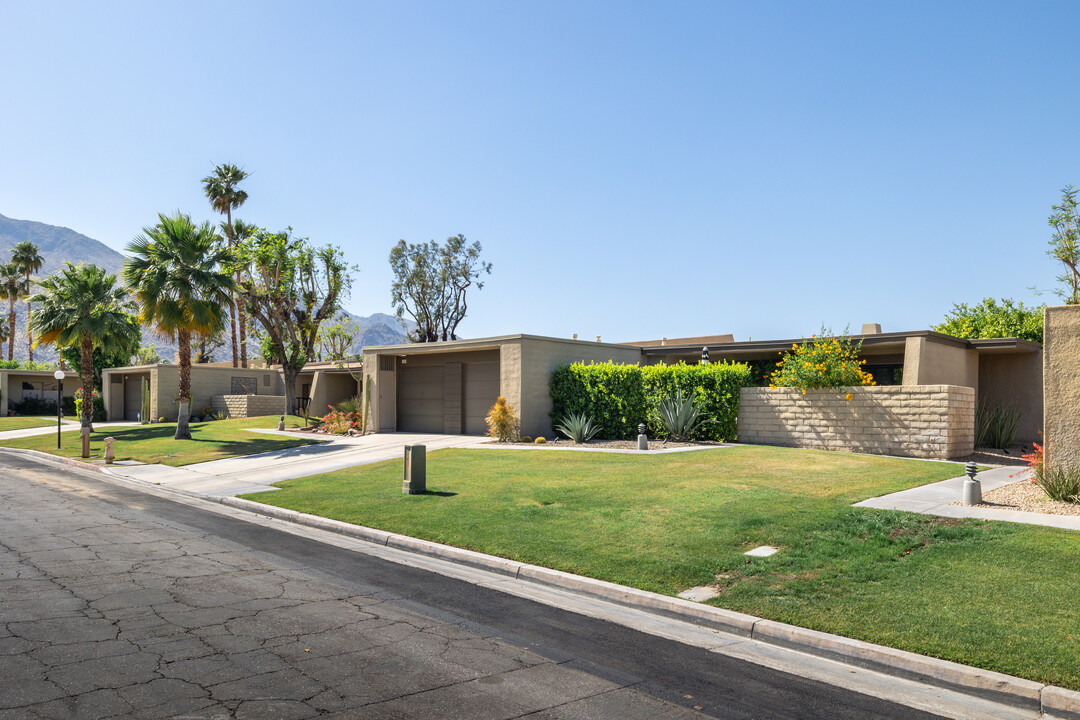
(132, 398)
(420, 399)
(481, 390)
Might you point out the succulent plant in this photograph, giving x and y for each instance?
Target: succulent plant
(679, 417)
(579, 427)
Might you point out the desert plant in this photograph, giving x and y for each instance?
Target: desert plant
(353, 404)
(823, 362)
(679, 417)
(578, 427)
(337, 422)
(540, 440)
(1060, 483)
(502, 422)
(525, 439)
(996, 425)
(220, 415)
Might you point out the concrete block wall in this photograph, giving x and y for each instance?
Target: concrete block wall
(242, 406)
(1061, 386)
(923, 421)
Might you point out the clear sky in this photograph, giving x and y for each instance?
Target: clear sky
(633, 170)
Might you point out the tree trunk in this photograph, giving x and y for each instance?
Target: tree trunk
(242, 315)
(86, 359)
(233, 307)
(29, 332)
(11, 329)
(183, 431)
(290, 374)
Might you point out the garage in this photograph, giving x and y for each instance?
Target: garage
(447, 394)
(133, 396)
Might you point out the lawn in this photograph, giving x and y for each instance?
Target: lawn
(996, 595)
(23, 423)
(154, 443)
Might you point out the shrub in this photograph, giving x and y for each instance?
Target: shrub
(540, 440)
(578, 427)
(525, 439)
(353, 404)
(825, 363)
(621, 396)
(1060, 483)
(501, 421)
(679, 416)
(336, 422)
(996, 425)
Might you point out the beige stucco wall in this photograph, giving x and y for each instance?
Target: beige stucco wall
(1015, 380)
(933, 361)
(11, 384)
(206, 382)
(1061, 385)
(243, 406)
(936, 421)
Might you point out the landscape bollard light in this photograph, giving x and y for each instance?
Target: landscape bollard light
(642, 438)
(59, 376)
(281, 423)
(972, 486)
(415, 480)
(109, 454)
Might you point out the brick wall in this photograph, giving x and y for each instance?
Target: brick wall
(241, 406)
(925, 421)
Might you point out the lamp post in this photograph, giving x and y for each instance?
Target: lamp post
(59, 375)
(704, 356)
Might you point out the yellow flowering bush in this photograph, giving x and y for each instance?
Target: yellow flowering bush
(821, 363)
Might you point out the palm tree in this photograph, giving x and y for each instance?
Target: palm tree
(82, 306)
(176, 274)
(3, 338)
(12, 289)
(221, 190)
(26, 256)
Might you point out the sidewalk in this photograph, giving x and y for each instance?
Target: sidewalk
(66, 426)
(257, 473)
(937, 499)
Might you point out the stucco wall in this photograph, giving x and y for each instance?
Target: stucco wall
(243, 406)
(11, 385)
(1061, 385)
(539, 357)
(933, 361)
(1015, 380)
(936, 421)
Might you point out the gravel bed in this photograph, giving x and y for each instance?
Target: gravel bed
(994, 456)
(617, 444)
(1026, 496)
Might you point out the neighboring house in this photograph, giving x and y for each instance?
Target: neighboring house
(238, 392)
(448, 387)
(19, 385)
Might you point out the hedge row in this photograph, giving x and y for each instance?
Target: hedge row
(618, 397)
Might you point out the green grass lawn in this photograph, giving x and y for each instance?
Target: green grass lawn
(154, 443)
(997, 595)
(23, 423)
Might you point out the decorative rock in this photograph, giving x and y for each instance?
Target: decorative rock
(762, 551)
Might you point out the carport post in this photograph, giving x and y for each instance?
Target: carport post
(415, 482)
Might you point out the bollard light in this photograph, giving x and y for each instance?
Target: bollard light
(59, 377)
(972, 486)
(704, 356)
(642, 438)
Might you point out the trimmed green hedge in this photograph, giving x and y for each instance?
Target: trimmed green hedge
(618, 397)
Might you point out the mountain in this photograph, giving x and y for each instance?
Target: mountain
(59, 244)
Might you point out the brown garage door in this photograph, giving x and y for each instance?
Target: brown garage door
(481, 389)
(132, 397)
(420, 399)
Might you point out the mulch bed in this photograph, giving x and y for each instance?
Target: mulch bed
(617, 444)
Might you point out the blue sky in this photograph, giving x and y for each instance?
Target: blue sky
(633, 170)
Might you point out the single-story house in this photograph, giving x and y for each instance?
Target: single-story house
(18, 385)
(448, 387)
(238, 392)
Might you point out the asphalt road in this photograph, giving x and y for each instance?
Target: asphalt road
(117, 603)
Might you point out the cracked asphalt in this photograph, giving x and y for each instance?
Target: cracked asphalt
(116, 603)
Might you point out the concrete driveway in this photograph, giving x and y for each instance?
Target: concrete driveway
(256, 473)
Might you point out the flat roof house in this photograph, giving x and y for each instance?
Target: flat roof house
(18, 385)
(448, 387)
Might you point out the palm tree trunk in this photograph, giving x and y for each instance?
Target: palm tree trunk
(86, 359)
(243, 329)
(232, 297)
(183, 431)
(29, 332)
(11, 329)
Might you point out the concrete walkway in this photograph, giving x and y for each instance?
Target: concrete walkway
(66, 426)
(257, 473)
(937, 499)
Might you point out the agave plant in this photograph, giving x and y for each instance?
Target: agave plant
(579, 427)
(679, 416)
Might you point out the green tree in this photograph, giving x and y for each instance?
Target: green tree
(81, 306)
(1065, 244)
(291, 288)
(336, 341)
(28, 259)
(222, 192)
(12, 289)
(177, 273)
(146, 356)
(994, 319)
(108, 352)
(430, 283)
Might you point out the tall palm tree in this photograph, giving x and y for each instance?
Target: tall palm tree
(27, 258)
(3, 338)
(82, 306)
(12, 289)
(220, 188)
(176, 273)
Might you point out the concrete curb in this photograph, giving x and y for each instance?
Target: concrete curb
(996, 687)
